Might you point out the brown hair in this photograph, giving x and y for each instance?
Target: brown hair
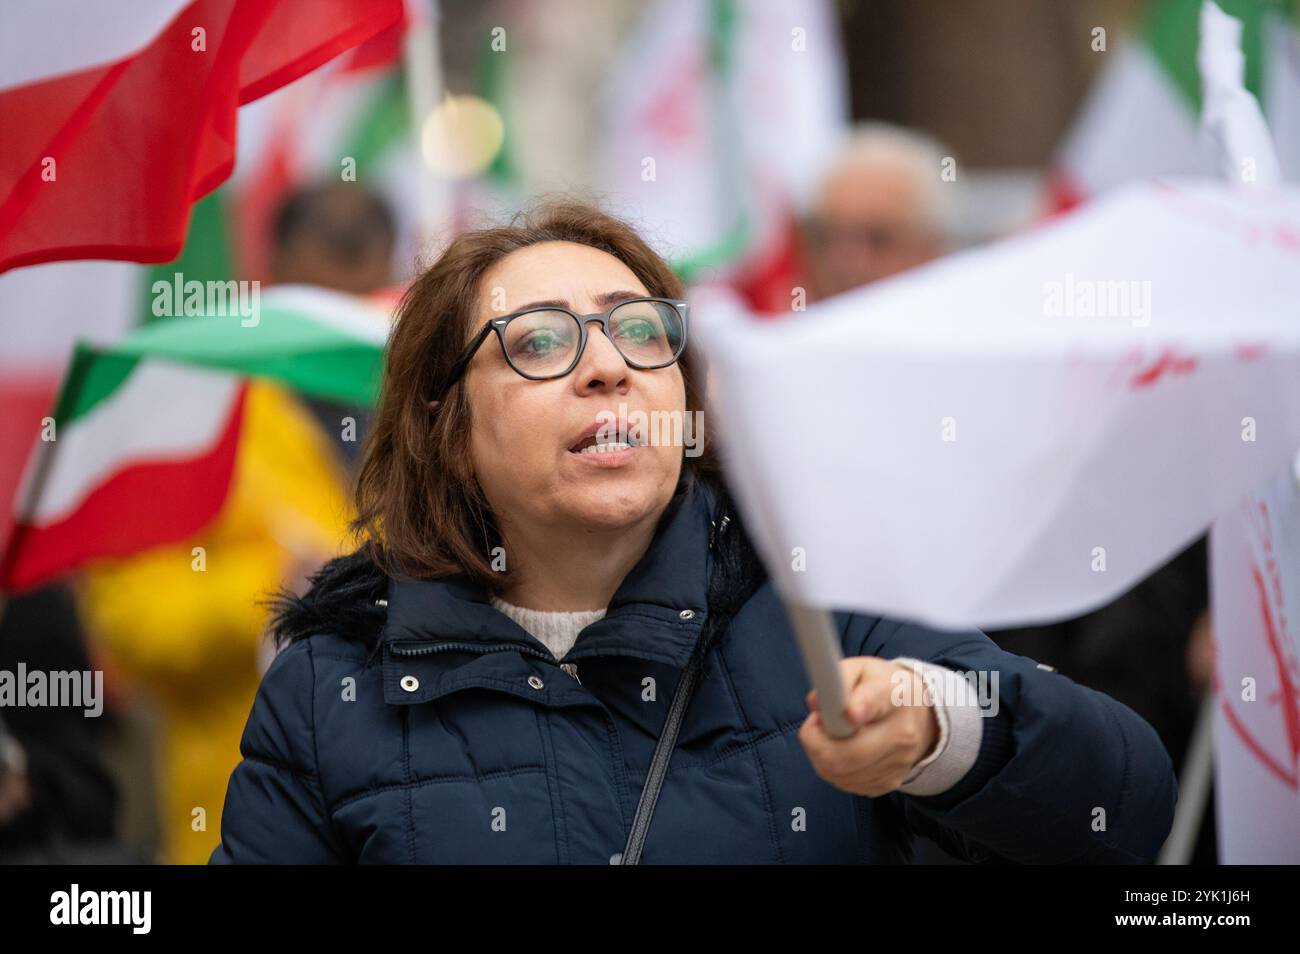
(420, 511)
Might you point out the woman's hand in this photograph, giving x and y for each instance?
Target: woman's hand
(890, 739)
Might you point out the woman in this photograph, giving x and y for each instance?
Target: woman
(486, 678)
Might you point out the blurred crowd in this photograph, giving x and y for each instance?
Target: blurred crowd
(183, 653)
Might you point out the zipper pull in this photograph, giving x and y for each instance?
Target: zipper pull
(572, 670)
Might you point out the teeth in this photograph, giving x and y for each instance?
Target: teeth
(604, 448)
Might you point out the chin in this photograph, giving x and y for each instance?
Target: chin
(611, 507)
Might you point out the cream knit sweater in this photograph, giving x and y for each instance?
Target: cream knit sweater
(556, 630)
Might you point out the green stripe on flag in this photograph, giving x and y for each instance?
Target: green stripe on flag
(206, 254)
(294, 349)
(733, 243)
(721, 253)
(492, 70)
(92, 376)
(1172, 30)
(385, 122)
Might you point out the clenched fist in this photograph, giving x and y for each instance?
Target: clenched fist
(890, 738)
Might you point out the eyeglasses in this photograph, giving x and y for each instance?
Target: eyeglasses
(547, 341)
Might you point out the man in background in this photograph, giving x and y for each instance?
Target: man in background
(335, 235)
(882, 207)
(340, 236)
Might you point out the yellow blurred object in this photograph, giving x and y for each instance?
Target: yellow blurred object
(192, 638)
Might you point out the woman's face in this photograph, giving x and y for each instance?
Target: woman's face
(525, 434)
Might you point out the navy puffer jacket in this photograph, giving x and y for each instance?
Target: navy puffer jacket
(457, 738)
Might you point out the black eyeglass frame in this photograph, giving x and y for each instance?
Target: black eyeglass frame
(680, 306)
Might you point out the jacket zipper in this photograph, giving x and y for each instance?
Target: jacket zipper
(469, 647)
(570, 668)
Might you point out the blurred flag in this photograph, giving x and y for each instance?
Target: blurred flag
(717, 120)
(1255, 593)
(1254, 552)
(43, 310)
(1141, 118)
(353, 107)
(145, 432)
(1021, 432)
(118, 117)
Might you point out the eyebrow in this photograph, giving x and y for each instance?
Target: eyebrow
(603, 300)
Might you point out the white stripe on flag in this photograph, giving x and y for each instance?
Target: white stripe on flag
(161, 412)
(355, 317)
(46, 309)
(1282, 93)
(40, 39)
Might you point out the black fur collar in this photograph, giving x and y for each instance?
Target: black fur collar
(345, 598)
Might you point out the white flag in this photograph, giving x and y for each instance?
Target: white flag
(1022, 432)
(1255, 594)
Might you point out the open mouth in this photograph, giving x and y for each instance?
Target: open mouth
(596, 440)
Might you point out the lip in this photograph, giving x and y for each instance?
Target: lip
(613, 459)
(633, 436)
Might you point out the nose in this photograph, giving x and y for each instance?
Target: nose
(601, 366)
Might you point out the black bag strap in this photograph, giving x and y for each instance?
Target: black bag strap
(659, 761)
(735, 580)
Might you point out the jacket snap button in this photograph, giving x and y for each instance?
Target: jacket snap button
(410, 683)
(687, 614)
(535, 682)
(616, 858)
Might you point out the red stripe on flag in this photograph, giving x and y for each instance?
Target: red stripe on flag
(134, 143)
(382, 50)
(334, 27)
(145, 505)
(26, 396)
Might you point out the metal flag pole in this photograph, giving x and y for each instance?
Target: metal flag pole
(1193, 788)
(819, 645)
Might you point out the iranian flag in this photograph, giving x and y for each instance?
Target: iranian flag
(1142, 117)
(117, 117)
(140, 448)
